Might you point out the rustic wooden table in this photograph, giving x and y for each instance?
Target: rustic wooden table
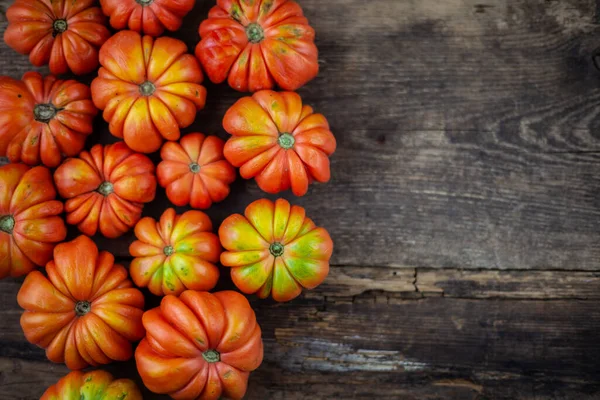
(464, 207)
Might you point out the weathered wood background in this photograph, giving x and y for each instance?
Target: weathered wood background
(464, 206)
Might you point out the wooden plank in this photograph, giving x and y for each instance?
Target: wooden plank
(509, 284)
(434, 348)
(464, 132)
(348, 283)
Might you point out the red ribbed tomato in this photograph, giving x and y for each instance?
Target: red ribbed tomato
(279, 142)
(85, 311)
(200, 346)
(255, 44)
(63, 33)
(148, 88)
(44, 119)
(106, 188)
(194, 171)
(150, 17)
(30, 221)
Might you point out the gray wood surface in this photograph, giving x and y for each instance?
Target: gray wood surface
(463, 206)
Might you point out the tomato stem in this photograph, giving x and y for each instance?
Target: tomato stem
(255, 33)
(147, 88)
(195, 168)
(211, 356)
(106, 188)
(7, 224)
(276, 249)
(44, 112)
(82, 307)
(286, 141)
(144, 3)
(59, 26)
(169, 250)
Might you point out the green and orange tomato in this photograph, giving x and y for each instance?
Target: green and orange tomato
(178, 252)
(93, 385)
(275, 249)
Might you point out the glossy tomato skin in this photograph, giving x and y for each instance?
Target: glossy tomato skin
(30, 221)
(274, 249)
(194, 171)
(150, 17)
(148, 88)
(65, 34)
(177, 253)
(106, 188)
(86, 311)
(200, 346)
(97, 385)
(42, 119)
(279, 142)
(257, 44)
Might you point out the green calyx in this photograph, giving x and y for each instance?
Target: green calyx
(44, 112)
(211, 356)
(255, 33)
(7, 224)
(144, 3)
(276, 249)
(169, 250)
(82, 308)
(195, 168)
(106, 188)
(147, 88)
(286, 141)
(59, 26)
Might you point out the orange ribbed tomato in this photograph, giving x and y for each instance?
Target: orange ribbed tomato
(63, 33)
(148, 88)
(150, 17)
(255, 44)
(279, 142)
(94, 385)
(200, 346)
(106, 188)
(44, 119)
(194, 171)
(274, 249)
(175, 254)
(86, 311)
(30, 221)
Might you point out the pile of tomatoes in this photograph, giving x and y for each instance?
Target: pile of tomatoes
(84, 309)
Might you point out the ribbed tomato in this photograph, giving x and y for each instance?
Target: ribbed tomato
(85, 311)
(63, 33)
(255, 44)
(148, 88)
(278, 141)
(200, 346)
(44, 119)
(275, 249)
(106, 188)
(194, 171)
(175, 254)
(30, 222)
(150, 17)
(93, 385)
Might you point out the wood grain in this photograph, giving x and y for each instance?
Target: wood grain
(463, 206)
